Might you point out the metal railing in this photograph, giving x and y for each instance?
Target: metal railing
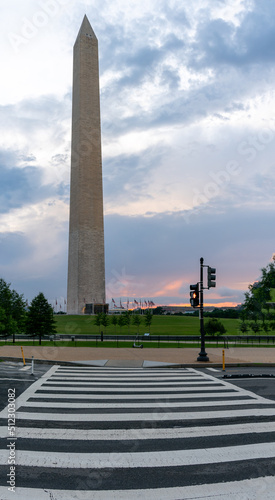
(225, 341)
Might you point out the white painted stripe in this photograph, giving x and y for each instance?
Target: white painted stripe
(212, 369)
(21, 400)
(68, 387)
(140, 434)
(166, 404)
(16, 379)
(123, 417)
(24, 368)
(155, 397)
(47, 387)
(132, 384)
(119, 380)
(175, 458)
(248, 489)
(142, 371)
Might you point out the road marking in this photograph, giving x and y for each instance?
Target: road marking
(125, 397)
(92, 382)
(175, 458)
(17, 379)
(164, 405)
(212, 369)
(122, 417)
(248, 489)
(140, 380)
(169, 390)
(128, 434)
(25, 368)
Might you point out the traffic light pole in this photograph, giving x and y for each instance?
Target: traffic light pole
(202, 355)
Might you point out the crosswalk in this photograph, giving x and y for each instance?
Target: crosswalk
(151, 434)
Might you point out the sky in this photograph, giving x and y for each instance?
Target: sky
(188, 144)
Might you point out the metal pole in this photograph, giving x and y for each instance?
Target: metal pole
(32, 365)
(202, 355)
(23, 356)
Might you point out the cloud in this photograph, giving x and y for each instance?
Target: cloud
(162, 250)
(24, 185)
(186, 92)
(222, 42)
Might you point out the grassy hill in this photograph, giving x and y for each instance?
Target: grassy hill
(161, 325)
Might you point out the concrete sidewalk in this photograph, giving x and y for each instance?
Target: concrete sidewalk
(148, 357)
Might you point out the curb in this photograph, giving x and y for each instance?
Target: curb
(166, 365)
(250, 375)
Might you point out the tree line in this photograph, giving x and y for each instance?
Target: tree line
(124, 319)
(16, 317)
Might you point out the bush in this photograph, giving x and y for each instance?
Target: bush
(214, 327)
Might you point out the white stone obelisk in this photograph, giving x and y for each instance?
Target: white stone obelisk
(86, 266)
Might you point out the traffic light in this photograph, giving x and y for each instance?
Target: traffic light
(194, 295)
(211, 277)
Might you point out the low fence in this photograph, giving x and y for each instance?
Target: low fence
(224, 341)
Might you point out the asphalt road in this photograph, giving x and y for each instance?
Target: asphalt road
(262, 386)
(14, 375)
(169, 434)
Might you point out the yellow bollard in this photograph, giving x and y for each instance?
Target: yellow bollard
(23, 356)
(223, 362)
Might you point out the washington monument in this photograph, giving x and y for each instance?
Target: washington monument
(86, 267)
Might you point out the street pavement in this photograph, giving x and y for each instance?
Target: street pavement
(106, 433)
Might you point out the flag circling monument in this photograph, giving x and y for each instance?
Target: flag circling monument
(86, 265)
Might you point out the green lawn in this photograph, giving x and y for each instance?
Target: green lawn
(161, 325)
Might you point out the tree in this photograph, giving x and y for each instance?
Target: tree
(255, 326)
(40, 319)
(13, 316)
(127, 319)
(2, 320)
(98, 320)
(214, 327)
(258, 297)
(121, 321)
(114, 321)
(105, 320)
(243, 327)
(158, 310)
(148, 319)
(137, 321)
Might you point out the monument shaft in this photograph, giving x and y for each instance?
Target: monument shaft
(86, 266)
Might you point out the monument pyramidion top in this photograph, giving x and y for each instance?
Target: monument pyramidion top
(86, 29)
